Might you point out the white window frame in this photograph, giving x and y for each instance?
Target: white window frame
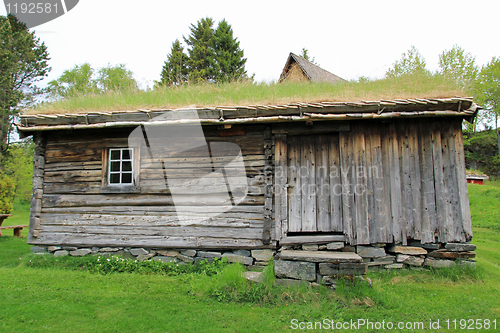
(121, 172)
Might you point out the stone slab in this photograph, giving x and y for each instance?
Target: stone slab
(334, 246)
(411, 250)
(244, 253)
(370, 252)
(61, 253)
(53, 248)
(184, 258)
(234, 258)
(262, 255)
(460, 247)
(137, 252)
(402, 257)
(437, 263)
(80, 252)
(443, 254)
(320, 256)
(295, 270)
(109, 249)
(310, 247)
(394, 266)
(330, 269)
(209, 254)
(38, 249)
(414, 261)
(188, 253)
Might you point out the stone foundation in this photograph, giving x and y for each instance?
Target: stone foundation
(259, 258)
(311, 263)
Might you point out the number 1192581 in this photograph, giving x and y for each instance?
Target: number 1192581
(471, 324)
(32, 8)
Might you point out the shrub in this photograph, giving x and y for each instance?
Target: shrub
(6, 194)
(481, 152)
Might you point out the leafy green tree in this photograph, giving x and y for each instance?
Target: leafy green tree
(487, 91)
(83, 79)
(6, 194)
(459, 66)
(410, 63)
(201, 55)
(18, 165)
(175, 70)
(229, 61)
(23, 63)
(75, 81)
(113, 78)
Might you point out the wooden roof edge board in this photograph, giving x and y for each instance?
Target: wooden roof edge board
(306, 117)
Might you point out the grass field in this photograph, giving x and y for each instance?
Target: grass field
(66, 300)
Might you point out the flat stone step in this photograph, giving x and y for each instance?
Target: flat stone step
(320, 256)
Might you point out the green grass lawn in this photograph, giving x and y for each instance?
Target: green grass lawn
(64, 300)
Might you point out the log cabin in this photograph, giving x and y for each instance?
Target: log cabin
(252, 177)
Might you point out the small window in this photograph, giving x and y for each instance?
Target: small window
(121, 166)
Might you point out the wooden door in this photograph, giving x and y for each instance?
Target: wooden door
(314, 184)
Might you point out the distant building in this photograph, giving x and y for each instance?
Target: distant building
(299, 69)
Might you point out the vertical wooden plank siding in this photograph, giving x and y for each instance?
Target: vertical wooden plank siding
(415, 181)
(385, 151)
(294, 181)
(406, 194)
(334, 169)
(308, 186)
(428, 209)
(380, 191)
(462, 181)
(322, 184)
(280, 190)
(361, 188)
(346, 171)
(442, 206)
(370, 192)
(454, 225)
(395, 189)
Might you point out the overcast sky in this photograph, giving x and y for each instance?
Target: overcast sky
(348, 38)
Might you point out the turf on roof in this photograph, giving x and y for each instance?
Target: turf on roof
(246, 93)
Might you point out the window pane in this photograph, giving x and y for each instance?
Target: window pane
(126, 155)
(126, 166)
(114, 178)
(115, 166)
(115, 154)
(127, 178)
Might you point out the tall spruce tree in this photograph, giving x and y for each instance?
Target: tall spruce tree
(201, 56)
(229, 62)
(175, 69)
(23, 62)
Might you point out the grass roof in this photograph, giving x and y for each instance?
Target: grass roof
(248, 93)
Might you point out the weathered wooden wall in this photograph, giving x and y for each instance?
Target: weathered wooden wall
(400, 180)
(79, 209)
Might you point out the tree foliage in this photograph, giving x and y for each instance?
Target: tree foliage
(6, 194)
(213, 55)
(175, 70)
(18, 165)
(83, 80)
(305, 54)
(487, 91)
(229, 62)
(411, 62)
(23, 63)
(459, 66)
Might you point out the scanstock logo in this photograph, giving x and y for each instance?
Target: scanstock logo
(36, 12)
(205, 179)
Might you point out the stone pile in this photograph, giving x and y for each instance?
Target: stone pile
(436, 255)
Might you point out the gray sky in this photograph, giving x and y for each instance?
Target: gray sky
(347, 38)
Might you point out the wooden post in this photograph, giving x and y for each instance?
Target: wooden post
(38, 174)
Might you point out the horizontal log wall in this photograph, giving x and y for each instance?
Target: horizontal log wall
(78, 208)
(404, 180)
